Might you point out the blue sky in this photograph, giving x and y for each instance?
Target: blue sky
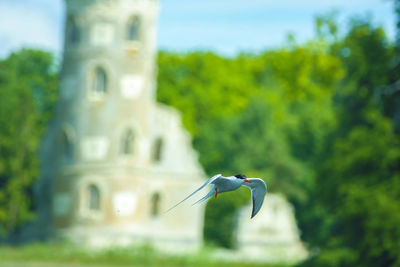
(223, 26)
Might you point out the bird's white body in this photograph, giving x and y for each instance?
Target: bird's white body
(223, 184)
(226, 184)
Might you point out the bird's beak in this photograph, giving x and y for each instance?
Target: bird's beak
(247, 181)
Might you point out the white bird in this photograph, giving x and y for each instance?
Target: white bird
(221, 184)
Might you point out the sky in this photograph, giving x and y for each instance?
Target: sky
(223, 26)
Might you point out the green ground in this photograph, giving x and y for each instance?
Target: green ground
(72, 256)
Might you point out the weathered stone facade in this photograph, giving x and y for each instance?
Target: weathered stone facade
(272, 235)
(114, 159)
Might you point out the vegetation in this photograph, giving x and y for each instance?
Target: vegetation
(69, 255)
(320, 122)
(28, 91)
(316, 122)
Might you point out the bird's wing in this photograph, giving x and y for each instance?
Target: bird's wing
(212, 179)
(219, 183)
(258, 191)
(209, 194)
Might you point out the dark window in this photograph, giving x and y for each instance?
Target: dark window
(67, 147)
(158, 149)
(100, 82)
(134, 29)
(155, 205)
(128, 142)
(94, 198)
(73, 31)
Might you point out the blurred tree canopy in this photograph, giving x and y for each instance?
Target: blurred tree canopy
(28, 91)
(266, 115)
(358, 176)
(314, 121)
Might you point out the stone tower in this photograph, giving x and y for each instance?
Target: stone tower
(113, 159)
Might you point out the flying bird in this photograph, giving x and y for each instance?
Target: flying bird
(221, 184)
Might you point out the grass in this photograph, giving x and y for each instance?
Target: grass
(63, 254)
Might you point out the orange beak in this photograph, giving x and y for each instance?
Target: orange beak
(247, 181)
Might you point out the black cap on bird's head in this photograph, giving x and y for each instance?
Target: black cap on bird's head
(243, 177)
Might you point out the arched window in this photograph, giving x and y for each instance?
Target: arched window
(66, 146)
(94, 198)
(133, 29)
(100, 81)
(128, 142)
(158, 150)
(155, 205)
(73, 31)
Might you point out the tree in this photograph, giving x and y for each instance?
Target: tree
(359, 186)
(251, 142)
(358, 175)
(247, 115)
(202, 85)
(28, 91)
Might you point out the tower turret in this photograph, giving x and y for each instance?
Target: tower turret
(108, 74)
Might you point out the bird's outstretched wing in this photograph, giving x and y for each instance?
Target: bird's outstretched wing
(258, 191)
(209, 194)
(212, 179)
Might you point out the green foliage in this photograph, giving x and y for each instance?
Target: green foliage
(358, 176)
(312, 123)
(249, 142)
(360, 189)
(60, 254)
(248, 115)
(208, 86)
(28, 86)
